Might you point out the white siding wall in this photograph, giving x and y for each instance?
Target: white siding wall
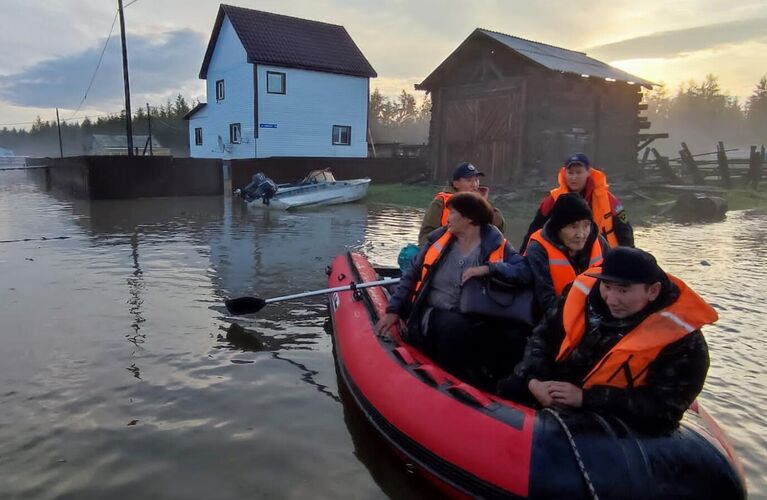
(228, 63)
(305, 115)
(199, 119)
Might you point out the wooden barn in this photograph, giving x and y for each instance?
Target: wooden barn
(517, 108)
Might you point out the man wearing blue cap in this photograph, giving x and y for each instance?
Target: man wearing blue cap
(579, 176)
(626, 341)
(465, 179)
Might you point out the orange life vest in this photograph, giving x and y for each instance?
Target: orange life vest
(445, 212)
(600, 202)
(561, 271)
(435, 251)
(626, 364)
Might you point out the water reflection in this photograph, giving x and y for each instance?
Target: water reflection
(121, 320)
(135, 289)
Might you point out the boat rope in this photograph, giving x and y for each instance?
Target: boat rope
(577, 454)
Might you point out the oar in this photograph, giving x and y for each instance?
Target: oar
(250, 305)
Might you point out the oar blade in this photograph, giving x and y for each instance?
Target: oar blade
(244, 305)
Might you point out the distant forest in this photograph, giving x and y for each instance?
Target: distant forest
(42, 138)
(391, 120)
(699, 113)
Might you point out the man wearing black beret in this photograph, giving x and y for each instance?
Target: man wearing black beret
(626, 341)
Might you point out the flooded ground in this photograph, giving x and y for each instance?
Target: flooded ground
(116, 380)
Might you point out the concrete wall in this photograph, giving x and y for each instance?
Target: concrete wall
(115, 177)
(294, 169)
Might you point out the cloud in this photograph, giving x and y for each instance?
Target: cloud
(667, 44)
(159, 64)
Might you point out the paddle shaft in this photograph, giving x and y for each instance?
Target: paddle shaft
(335, 289)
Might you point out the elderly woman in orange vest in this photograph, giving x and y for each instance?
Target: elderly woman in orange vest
(579, 176)
(568, 244)
(626, 342)
(465, 180)
(432, 295)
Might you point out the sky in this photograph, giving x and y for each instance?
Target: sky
(49, 49)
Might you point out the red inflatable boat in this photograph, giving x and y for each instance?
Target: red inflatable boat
(471, 443)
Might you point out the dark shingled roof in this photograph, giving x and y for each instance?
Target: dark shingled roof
(291, 42)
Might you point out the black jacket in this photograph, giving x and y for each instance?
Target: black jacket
(539, 263)
(513, 270)
(674, 378)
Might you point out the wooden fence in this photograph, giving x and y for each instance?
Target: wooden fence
(715, 167)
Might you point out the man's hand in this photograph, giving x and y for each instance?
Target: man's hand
(474, 272)
(540, 390)
(566, 394)
(387, 321)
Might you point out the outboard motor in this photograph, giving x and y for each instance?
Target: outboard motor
(260, 186)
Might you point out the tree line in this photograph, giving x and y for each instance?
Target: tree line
(399, 119)
(41, 139)
(701, 113)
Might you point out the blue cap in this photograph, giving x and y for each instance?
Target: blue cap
(465, 169)
(578, 159)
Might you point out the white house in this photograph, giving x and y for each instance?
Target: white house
(280, 86)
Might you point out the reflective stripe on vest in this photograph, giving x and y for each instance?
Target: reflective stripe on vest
(434, 253)
(560, 269)
(600, 202)
(445, 211)
(626, 364)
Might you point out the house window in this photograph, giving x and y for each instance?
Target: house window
(234, 133)
(275, 82)
(342, 135)
(220, 90)
(198, 136)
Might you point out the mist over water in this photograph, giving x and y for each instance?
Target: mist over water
(116, 380)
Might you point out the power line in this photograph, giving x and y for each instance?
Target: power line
(164, 123)
(98, 65)
(67, 120)
(129, 4)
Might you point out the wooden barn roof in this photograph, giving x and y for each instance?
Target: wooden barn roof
(291, 42)
(548, 56)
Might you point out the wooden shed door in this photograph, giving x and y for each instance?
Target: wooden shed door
(485, 131)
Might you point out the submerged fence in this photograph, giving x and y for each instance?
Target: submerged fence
(727, 168)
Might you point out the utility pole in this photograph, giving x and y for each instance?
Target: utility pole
(149, 121)
(128, 127)
(58, 124)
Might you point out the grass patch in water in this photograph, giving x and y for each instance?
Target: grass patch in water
(410, 195)
(642, 205)
(742, 199)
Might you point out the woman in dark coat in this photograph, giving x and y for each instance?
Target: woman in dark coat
(478, 349)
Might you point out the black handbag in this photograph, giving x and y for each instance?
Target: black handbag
(491, 297)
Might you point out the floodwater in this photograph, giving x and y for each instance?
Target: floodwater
(116, 380)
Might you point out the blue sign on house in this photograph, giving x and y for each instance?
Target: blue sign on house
(267, 125)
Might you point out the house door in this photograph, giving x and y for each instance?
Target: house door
(486, 131)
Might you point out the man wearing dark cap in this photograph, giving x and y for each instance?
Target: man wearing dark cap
(626, 342)
(465, 179)
(577, 175)
(568, 244)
